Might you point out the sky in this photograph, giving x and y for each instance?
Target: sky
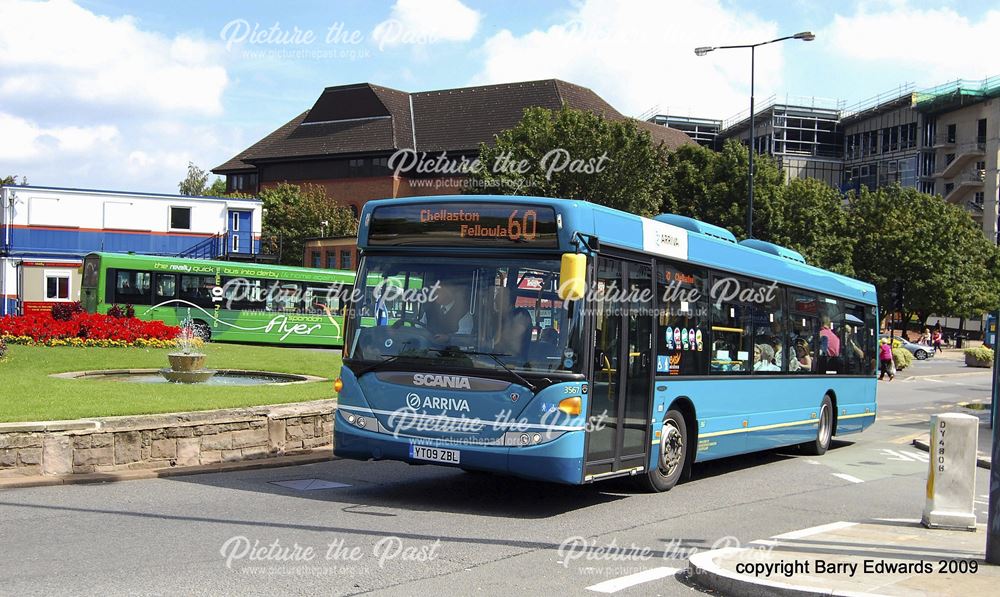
(122, 95)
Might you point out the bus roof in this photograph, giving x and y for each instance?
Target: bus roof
(232, 267)
(668, 235)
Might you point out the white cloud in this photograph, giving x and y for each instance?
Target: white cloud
(936, 44)
(25, 141)
(423, 22)
(64, 50)
(640, 55)
(92, 101)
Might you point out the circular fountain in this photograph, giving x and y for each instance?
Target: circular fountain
(186, 366)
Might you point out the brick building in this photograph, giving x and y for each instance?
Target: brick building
(345, 140)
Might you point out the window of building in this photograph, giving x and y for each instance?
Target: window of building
(948, 188)
(949, 158)
(244, 183)
(57, 286)
(357, 167)
(885, 140)
(316, 258)
(380, 165)
(331, 259)
(980, 198)
(952, 133)
(894, 138)
(345, 259)
(180, 218)
(981, 131)
(927, 187)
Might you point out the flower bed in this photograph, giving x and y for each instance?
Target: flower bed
(86, 329)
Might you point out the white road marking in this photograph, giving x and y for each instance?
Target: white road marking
(813, 462)
(833, 526)
(847, 477)
(905, 455)
(617, 584)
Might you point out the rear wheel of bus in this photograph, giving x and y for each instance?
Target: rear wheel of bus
(672, 455)
(824, 430)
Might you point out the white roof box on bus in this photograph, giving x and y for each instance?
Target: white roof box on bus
(773, 249)
(698, 226)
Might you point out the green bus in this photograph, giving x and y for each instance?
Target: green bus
(227, 301)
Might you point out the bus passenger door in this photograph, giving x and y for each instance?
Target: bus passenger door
(620, 396)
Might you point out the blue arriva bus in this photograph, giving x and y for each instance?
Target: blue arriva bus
(565, 341)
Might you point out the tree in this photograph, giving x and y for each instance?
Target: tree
(812, 220)
(194, 182)
(575, 154)
(295, 213)
(12, 179)
(712, 187)
(217, 189)
(930, 250)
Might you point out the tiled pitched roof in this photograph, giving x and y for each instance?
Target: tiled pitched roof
(362, 118)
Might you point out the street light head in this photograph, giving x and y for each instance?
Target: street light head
(703, 50)
(805, 36)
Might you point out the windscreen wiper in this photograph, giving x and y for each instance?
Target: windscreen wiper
(389, 358)
(496, 357)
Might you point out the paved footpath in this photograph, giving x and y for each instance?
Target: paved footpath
(877, 557)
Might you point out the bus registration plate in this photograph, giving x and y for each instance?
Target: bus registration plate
(434, 454)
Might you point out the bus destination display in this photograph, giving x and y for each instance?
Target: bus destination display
(532, 226)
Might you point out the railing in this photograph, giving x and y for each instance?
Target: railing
(885, 97)
(212, 247)
(798, 101)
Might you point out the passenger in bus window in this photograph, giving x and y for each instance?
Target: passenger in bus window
(515, 336)
(763, 358)
(828, 340)
(803, 361)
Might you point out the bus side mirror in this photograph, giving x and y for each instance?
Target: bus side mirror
(573, 276)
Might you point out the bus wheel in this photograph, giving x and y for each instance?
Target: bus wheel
(202, 331)
(672, 455)
(824, 430)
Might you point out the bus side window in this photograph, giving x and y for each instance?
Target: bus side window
(196, 290)
(682, 338)
(166, 287)
(801, 332)
(731, 350)
(769, 351)
(132, 287)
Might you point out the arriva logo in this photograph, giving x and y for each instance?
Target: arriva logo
(441, 381)
(436, 402)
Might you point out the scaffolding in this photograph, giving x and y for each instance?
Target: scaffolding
(953, 95)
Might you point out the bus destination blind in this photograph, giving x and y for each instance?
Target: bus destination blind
(451, 224)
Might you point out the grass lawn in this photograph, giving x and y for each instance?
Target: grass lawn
(27, 393)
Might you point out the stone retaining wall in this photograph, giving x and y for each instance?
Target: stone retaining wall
(162, 441)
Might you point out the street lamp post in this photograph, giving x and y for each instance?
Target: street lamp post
(701, 51)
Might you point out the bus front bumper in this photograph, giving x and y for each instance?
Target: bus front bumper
(559, 461)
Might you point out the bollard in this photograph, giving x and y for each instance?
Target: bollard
(951, 480)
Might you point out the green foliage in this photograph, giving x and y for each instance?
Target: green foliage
(980, 353)
(629, 178)
(216, 189)
(934, 249)
(12, 179)
(195, 181)
(902, 358)
(712, 187)
(811, 219)
(295, 213)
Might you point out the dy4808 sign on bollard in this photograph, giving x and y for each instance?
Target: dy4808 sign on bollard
(951, 480)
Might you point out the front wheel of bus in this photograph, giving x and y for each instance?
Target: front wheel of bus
(672, 455)
(824, 430)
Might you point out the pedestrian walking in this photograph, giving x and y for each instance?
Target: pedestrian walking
(936, 340)
(886, 366)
